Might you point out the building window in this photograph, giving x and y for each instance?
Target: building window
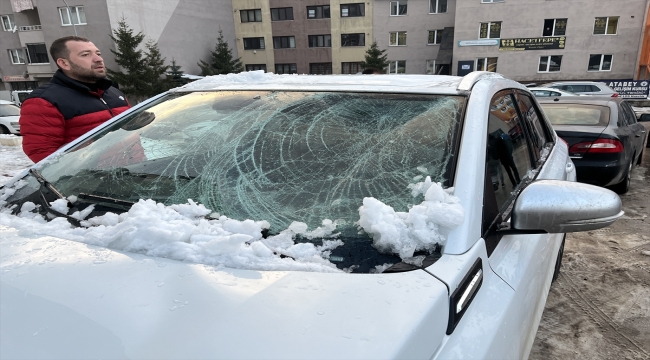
(281, 14)
(351, 10)
(37, 54)
(606, 25)
(431, 67)
(286, 69)
(8, 23)
(253, 43)
(253, 67)
(320, 41)
(284, 42)
(486, 64)
(600, 62)
(397, 38)
(554, 27)
(435, 37)
(254, 15)
(73, 14)
(318, 12)
(351, 68)
(398, 8)
(490, 30)
(549, 63)
(397, 67)
(24, 85)
(320, 68)
(353, 39)
(437, 6)
(17, 56)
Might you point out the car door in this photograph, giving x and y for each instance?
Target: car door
(524, 262)
(638, 130)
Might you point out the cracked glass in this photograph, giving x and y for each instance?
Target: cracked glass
(279, 156)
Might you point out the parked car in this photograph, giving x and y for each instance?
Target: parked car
(644, 120)
(583, 88)
(605, 140)
(329, 219)
(547, 92)
(9, 115)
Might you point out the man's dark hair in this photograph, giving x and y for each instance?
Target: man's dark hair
(58, 49)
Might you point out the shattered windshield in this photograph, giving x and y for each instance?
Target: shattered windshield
(277, 156)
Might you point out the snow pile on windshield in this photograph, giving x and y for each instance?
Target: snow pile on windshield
(191, 232)
(182, 232)
(424, 226)
(261, 77)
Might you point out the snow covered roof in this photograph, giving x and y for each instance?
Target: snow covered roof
(259, 80)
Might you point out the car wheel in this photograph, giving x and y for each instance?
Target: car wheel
(624, 186)
(558, 262)
(4, 130)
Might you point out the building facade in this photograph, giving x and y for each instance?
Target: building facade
(547, 40)
(30, 26)
(526, 40)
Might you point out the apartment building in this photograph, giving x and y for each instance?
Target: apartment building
(546, 40)
(30, 26)
(293, 36)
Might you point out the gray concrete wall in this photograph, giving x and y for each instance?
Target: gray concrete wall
(8, 40)
(417, 23)
(525, 18)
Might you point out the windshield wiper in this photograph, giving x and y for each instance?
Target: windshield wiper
(106, 201)
(44, 183)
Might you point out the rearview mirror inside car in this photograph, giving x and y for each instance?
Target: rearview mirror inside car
(556, 206)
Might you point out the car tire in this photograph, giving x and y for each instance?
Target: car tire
(624, 186)
(558, 262)
(4, 130)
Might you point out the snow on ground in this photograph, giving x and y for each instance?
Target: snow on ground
(12, 160)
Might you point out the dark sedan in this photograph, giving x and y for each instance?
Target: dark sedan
(605, 141)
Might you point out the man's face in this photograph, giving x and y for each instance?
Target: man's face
(85, 62)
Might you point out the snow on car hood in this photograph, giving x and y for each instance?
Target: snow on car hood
(182, 232)
(65, 299)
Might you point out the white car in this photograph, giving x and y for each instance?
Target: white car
(549, 92)
(261, 216)
(9, 115)
(583, 88)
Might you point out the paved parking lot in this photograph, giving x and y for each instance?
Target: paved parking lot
(599, 308)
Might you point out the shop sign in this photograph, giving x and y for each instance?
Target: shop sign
(13, 78)
(482, 42)
(542, 43)
(629, 89)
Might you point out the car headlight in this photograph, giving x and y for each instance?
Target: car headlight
(15, 124)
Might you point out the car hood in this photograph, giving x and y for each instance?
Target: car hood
(64, 299)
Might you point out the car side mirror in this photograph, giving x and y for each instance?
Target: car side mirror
(644, 117)
(556, 206)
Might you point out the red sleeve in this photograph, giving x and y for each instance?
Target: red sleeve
(42, 127)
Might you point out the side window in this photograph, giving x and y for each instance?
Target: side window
(631, 116)
(508, 157)
(539, 134)
(593, 88)
(622, 117)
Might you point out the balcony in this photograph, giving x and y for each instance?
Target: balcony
(30, 34)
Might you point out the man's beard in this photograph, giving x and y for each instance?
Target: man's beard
(85, 75)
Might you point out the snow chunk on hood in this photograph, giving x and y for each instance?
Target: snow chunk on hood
(181, 232)
(424, 226)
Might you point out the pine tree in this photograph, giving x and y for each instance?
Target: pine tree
(176, 75)
(375, 58)
(156, 70)
(132, 81)
(221, 60)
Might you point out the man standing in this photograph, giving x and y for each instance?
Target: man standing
(78, 99)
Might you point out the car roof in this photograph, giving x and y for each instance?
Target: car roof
(574, 82)
(588, 100)
(416, 84)
(546, 89)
